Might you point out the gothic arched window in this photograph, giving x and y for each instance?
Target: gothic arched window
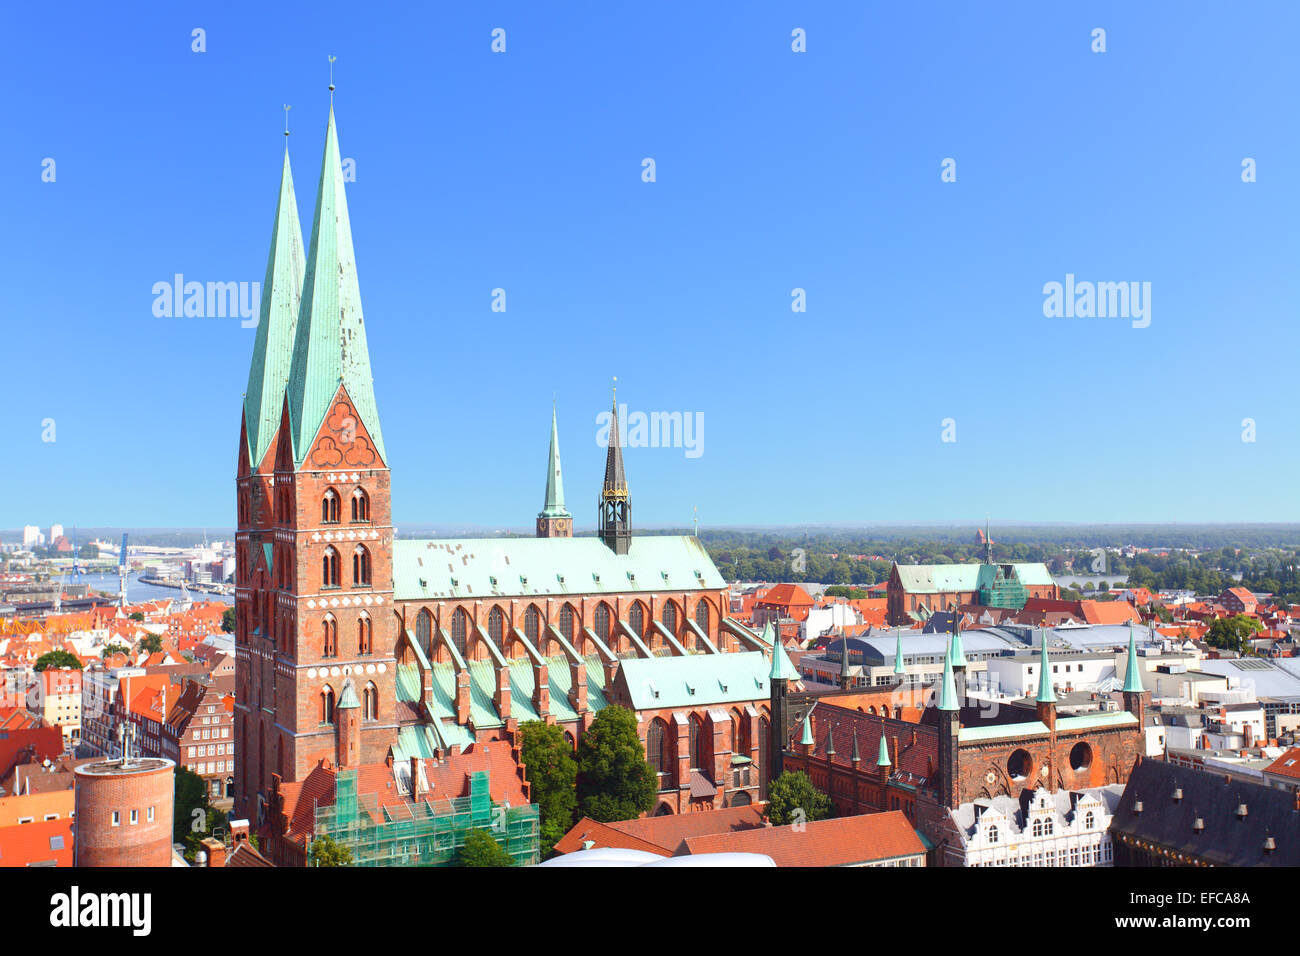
(424, 629)
(533, 624)
(329, 507)
(330, 637)
(697, 738)
(602, 621)
(702, 615)
(459, 630)
(360, 505)
(567, 622)
(361, 565)
(636, 618)
(670, 617)
(363, 634)
(656, 751)
(330, 568)
(327, 704)
(371, 701)
(496, 626)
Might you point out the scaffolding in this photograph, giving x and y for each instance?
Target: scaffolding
(1004, 590)
(427, 832)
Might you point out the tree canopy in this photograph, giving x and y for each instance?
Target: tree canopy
(57, 658)
(614, 780)
(552, 774)
(480, 849)
(792, 798)
(327, 851)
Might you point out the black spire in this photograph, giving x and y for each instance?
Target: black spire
(615, 506)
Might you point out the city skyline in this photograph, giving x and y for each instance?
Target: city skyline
(771, 177)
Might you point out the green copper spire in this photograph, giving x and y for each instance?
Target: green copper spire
(329, 346)
(1132, 672)
(954, 648)
(830, 742)
(857, 754)
(276, 320)
(1046, 692)
(898, 653)
(554, 507)
(807, 739)
(948, 690)
(348, 699)
(844, 660)
(883, 759)
(782, 667)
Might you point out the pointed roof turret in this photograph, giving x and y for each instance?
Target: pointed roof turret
(277, 318)
(1046, 692)
(830, 742)
(554, 506)
(844, 660)
(948, 689)
(883, 760)
(329, 347)
(615, 478)
(615, 510)
(348, 698)
(954, 648)
(1132, 671)
(782, 667)
(807, 739)
(898, 652)
(857, 754)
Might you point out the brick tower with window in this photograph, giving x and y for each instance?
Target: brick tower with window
(314, 577)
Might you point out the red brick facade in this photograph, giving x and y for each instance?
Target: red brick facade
(124, 814)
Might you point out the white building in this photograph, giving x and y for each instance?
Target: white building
(31, 535)
(56, 532)
(1042, 828)
(821, 620)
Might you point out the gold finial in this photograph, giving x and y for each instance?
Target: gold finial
(332, 59)
(286, 119)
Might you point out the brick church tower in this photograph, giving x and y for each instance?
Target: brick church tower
(314, 577)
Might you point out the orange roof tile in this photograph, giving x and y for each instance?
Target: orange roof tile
(842, 841)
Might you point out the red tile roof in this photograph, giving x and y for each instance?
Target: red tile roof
(844, 841)
(788, 595)
(660, 835)
(30, 843)
(1287, 765)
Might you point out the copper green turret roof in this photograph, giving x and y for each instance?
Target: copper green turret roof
(348, 699)
(955, 649)
(844, 657)
(898, 652)
(782, 667)
(1132, 672)
(273, 344)
(883, 759)
(830, 742)
(948, 690)
(615, 477)
(807, 739)
(554, 506)
(330, 341)
(1046, 692)
(857, 754)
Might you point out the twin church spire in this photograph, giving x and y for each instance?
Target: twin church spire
(311, 339)
(311, 335)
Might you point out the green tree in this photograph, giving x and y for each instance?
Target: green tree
(151, 643)
(228, 620)
(792, 798)
(137, 616)
(614, 780)
(193, 815)
(327, 851)
(57, 658)
(553, 774)
(481, 850)
(1233, 632)
(112, 649)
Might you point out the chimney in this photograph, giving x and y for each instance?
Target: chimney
(216, 852)
(415, 778)
(238, 831)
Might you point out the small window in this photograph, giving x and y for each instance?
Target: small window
(117, 818)
(135, 817)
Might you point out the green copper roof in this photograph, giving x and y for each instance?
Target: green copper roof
(436, 569)
(955, 650)
(1133, 671)
(1046, 692)
(857, 754)
(329, 346)
(807, 739)
(898, 652)
(273, 344)
(830, 742)
(697, 680)
(348, 699)
(554, 506)
(948, 690)
(782, 667)
(883, 759)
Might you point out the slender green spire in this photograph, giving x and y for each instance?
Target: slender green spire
(857, 754)
(948, 691)
(807, 739)
(1132, 672)
(955, 650)
(554, 507)
(1046, 692)
(844, 660)
(898, 652)
(329, 347)
(883, 759)
(782, 667)
(273, 344)
(830, 742)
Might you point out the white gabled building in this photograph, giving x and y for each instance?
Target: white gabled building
(1041, 828)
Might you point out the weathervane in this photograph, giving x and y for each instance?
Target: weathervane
(332, 59)
(286, 119)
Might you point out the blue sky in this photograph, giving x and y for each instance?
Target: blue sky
(775, 171)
